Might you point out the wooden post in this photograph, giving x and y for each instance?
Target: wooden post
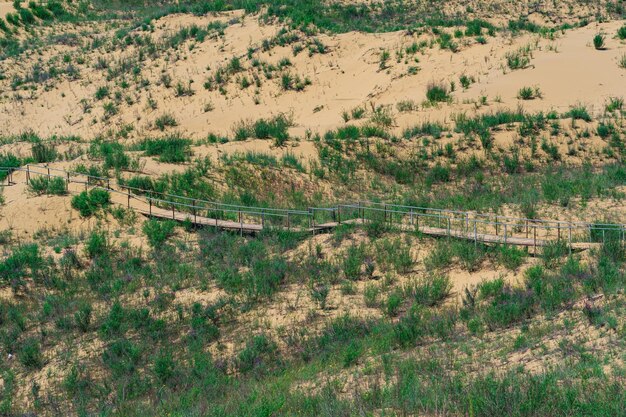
(173, 215)
(48, 172)
(411, 218)
(475, 234)
(263, 218)
(569, 238)
(361, 213)
(128, 191)
(289, 222)
(195, 219)
(505, 233)
(558, 225)
(150, 201)
(526, 229)
(385, 213)
(535, 239)
(27, 174)
(338, 214)
(240, 224)
(496, 225)
(67, 185)
(466, 222)
(448, 228)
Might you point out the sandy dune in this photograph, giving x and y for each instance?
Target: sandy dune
(567, 70)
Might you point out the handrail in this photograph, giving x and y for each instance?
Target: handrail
(504, 223)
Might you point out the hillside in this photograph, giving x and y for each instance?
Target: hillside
(432, 193)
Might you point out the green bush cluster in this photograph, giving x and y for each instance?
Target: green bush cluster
(90, 202)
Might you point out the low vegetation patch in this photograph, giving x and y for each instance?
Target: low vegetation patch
(90, 202)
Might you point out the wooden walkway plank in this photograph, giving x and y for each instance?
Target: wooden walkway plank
(469, 226)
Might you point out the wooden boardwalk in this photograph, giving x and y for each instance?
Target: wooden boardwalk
(248, 228)
(486, 228)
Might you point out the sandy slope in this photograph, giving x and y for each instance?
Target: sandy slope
(5, 8)
(346, 77)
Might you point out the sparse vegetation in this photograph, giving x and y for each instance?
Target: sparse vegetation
(437, 93)
(599, 41)
(529, 93)
(90, 202)
(125, 314)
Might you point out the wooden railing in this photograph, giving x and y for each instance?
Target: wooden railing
(479, 227)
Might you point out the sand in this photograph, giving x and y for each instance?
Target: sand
(568, 70)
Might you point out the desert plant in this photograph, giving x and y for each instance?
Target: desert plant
(157, 232)
(43, 152)
(599, 41)
(259, 352)
(89, 202)
(430, 290)
(170, 149)
(164, 121)
(529, 93)
(44, 185)
(353, 262)
(437, 92)
(518, 59)
(30, 354)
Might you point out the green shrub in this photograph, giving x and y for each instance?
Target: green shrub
(111, 152)
(83, 316)
(97, 244)
(44, 185)
(8, 160)
(264, 278)
(529, 93)
(437, 93)
(440, 256)
(164, 367)
(24, 261)
(396, 254)
(552, 290)
(30, 354)
(203, 324)
(579, 113)
(429, 291)
(43, 153)
(26, 16)
(259, 353)
(554, 251)
(352, 353)
(621, 33)
(90, 202)
(353, 261)
(438, 173)
(599, 41)
(393, 303)
(519, 59)
(507, 306)
(510, 257)
(274, 128)
(122, 358)
(158, 232)
(164, 121)
(420, 323)
(370, 295)
(171, 149)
